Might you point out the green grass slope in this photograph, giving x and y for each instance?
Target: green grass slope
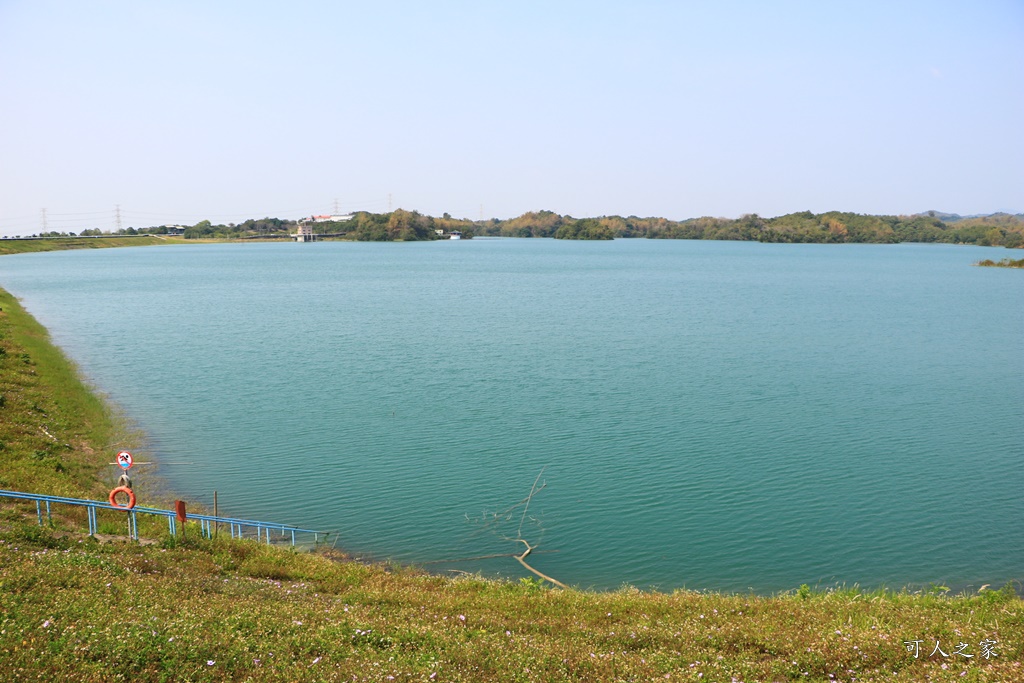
(53, 430)
(65, 243)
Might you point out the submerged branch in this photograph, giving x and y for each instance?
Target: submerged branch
(522, 561)
(533, 490)
(488, 522)
(479, 557)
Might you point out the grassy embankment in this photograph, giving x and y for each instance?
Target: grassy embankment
(64, 243)
(210, 610)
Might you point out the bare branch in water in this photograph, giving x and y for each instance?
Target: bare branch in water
(522, 561)
(533, 490)
(490, 520)
(481, 557)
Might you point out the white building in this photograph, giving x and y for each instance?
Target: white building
(326, 219)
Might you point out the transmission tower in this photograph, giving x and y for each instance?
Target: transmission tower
(117, 217)
(389, 202)
(44, 220)
(336, 212)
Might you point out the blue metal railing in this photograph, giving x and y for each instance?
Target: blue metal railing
(236, 526)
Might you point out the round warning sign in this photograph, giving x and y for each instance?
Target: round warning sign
(124, 460)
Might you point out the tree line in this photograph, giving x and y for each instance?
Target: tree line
(998, 229)
(394, 226)
(831, 227)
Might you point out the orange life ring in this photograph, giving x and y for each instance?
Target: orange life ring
(122, 489)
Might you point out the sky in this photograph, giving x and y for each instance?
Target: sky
(164, 112)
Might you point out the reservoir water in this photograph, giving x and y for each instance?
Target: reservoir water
(710, 415)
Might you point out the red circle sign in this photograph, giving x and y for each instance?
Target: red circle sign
(124, 460)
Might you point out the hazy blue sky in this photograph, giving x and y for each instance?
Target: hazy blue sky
(179, 111)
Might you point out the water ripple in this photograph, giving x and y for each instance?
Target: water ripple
(710, 415)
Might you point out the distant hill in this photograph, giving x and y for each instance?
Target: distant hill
(955, 217)
(941, 215)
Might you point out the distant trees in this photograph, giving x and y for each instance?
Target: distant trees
(370, 227)
(803, 226)
(399, 225)
(410, 226)
(1005, 263)
(198, 231)
(266, 226)
(531, 224)
(448, 225)
(248, 229)
(584, 229)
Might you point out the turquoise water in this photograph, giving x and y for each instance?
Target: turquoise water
(712, 415)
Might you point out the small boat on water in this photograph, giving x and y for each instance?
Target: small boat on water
(456, 235)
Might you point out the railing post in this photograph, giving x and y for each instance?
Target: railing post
(179, 513)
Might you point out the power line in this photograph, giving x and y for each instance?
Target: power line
(69, 221)
(127, 213)
(82, 213)
(214, 215)
(117, 217)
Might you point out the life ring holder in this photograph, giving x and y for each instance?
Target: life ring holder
(113, 498)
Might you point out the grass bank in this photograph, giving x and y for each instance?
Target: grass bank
(54, 433)
(193, 609)
(24, 246)
(201, 610)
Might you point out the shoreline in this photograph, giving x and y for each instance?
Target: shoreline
(52, 415)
